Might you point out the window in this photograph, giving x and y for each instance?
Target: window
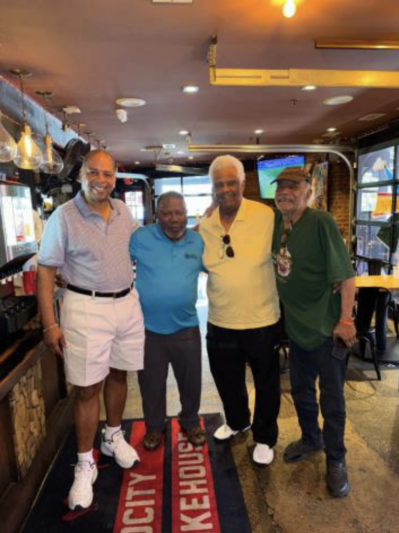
(377, 208)
(134, 201)
(197, 192)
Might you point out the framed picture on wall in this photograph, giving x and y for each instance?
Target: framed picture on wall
(318, 199)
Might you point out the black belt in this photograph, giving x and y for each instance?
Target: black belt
(97, 294)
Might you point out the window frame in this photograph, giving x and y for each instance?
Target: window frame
(394, 183)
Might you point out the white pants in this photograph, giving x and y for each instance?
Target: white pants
(101, 333)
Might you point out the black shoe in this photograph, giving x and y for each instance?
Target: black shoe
(152, 440)
(337, 478)
(196, 436)
(301, 449)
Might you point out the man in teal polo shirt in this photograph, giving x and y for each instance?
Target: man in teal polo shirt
(169, 260)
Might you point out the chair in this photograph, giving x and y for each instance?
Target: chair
(282, 346)
(363, 342)
(393, 311)
(371, 300)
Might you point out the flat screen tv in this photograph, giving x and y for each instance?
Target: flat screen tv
(269, 169)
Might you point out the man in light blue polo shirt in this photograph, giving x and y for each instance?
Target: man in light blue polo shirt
(101, 335)
(169, 260)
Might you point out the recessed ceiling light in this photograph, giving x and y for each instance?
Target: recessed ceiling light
(331, 129)
(71, 109)
(338, 100)
(309, 88)
(137, 162)
(258, 132)
(130, 102)
(184, 132)
(331, 134)
(372, 116)
(190, 89)
(180, 152)
(191, 157)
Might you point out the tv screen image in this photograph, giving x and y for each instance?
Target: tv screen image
(269, 169)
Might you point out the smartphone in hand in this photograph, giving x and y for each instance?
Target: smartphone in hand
(340, 349)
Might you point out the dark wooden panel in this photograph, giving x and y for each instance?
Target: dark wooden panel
(51, 382)
(8, 471)
(18, 498)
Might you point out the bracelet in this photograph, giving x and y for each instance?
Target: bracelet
(45, 330)
(348, 322)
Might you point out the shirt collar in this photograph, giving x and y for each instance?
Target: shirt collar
(84, 207)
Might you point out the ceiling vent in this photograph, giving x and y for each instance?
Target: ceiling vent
(372, 116)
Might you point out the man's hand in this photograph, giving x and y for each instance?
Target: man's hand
(60, 282)
(55, 341)
(346, 333)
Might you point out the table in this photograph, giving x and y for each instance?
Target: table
(388, 283)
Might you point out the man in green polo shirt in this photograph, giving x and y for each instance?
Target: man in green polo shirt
(311, 261)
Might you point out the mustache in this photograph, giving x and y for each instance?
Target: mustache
(226, 195)
(284, 198)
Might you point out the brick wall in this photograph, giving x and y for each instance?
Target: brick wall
(339, 195)
(338, 189)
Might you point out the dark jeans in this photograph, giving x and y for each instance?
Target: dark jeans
(368, 301)
(305, 368)
(183, 351)
(228, 352)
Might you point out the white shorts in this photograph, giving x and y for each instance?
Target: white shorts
(101, 333)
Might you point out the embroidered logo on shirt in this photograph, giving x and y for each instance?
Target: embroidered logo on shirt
(190, 256)
(283, 262)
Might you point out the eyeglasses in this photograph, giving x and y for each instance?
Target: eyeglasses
(226, 247)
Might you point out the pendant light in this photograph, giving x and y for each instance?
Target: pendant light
(29, 156)
(8, 147)
(51, 162)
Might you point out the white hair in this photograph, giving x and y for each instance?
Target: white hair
(225, 161)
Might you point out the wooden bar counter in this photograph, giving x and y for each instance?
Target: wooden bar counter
(35, 415)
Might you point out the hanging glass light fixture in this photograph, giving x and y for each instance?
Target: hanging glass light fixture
(28, 156)
(8, 147)
(52, 162)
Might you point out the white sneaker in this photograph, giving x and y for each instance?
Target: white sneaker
(263, 454)
(225, 432)
(81, 493)
(124, 454)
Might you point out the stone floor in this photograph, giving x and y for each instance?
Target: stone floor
(289, 498)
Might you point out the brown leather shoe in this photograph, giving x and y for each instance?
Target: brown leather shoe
(196, 436)
(152, 440)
